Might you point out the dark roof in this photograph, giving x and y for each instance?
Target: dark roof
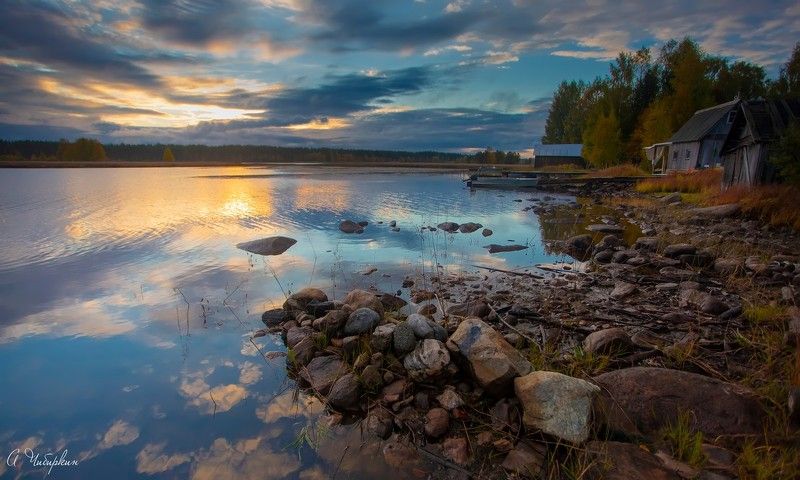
(702, 122)
(768, 118)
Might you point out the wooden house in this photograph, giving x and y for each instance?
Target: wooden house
(758, 124)
(558, 154)
(698, 143)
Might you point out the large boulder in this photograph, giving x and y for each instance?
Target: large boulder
(642, 400)
(363, 320)
(267, 246)
(605, 228)
(381, 338)
(626, 461)
(332, 321)
(579, 244)
(298, 301)
(437, 422)
(495, 248)
(556, 404)
(363, 299)
(492, 361)
(349, 226)
(427, 361)
(322, 372)
(678, 249)
(345, 392)
(391, 302)
(274, 317)
(717, 211)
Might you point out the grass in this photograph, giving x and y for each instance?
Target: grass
(764, 314)
(768, 462)
(587, 363)
(564, 167)
(625, 170)
(684, 442)
(776, 205)
(694, 181)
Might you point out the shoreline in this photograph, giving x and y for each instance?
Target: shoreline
(697, 315)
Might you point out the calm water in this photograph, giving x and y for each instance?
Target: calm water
(100, 356)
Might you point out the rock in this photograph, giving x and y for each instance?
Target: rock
(469, 227)
(607, 341)
(713, 306)
(349, 226)
(427, 309)
(393, 223)
(437, 422)
(267, 246)
(298, 301)
(449, 227)
(332, 321)
(648, 244)
(304, 351)
(380, 423)
(625, 461)
(527, 459)
(421, 326)
(363, 299)
(605, 228)
(345, 392)
(609, 242)
(427, 361)
(755, 264)
(792, 337)
(381, 338)
(495, 248)
(484, 438)
(579, 244)
(322, 372)
(449, 399)
(487, 232)
(719, 211)
(403, 338)
(671, 198)
(604, 256)
(295, 335)
(456, 450)
(274, 317)
(392, 303)
(371, 378)
(492, 361)
(700, 259)
(363, 320)
(350, 346)
(676, 273)
(666, 287)
(318, 309)
(399, 455)
(556, 404)
(641, 400)
(678, 249)
(793, 404)
(622, 290)
(394, 391)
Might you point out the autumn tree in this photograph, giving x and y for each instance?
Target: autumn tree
(82, 150)
(565, 120)
(788, 82)
(785, 154)
(602, 142)
(167, 156)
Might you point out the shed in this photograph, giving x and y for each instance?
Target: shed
(558, 154)
(746, 151)
(698, 143)
(658, 153)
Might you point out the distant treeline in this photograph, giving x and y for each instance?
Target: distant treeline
(74, 151)
(645, 98)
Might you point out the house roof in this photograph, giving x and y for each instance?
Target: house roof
(702, 122)
(558, 150)
(768, 118)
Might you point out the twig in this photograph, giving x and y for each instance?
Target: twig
(445, 463)
(510, 272)
(340, 462)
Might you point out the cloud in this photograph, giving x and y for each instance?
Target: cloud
(120, 433)
(152, 459)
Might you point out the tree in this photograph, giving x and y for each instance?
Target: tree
(564, 120)
(602, 143)
(82, 150)
(788, 82)
(785, 154)
(740, 78)
(167, 156)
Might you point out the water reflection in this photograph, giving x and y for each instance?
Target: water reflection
(126, 310)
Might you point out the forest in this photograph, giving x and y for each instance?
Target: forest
(646, 97)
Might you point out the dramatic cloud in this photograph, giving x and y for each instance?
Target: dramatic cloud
(446, 74)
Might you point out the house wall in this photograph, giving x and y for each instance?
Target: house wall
(712, 143)
(746, 165)
(683, 156)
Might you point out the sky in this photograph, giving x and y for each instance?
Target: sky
(453, 75)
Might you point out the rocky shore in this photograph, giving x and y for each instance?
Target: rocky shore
(670, 356)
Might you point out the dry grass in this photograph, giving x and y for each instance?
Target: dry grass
(564, 167)
(625, 170)
(776, 205)
(694, 181)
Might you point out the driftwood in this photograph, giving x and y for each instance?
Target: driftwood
(510, 272)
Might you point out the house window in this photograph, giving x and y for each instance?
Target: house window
(675, 155)
(731, 116)
(688, 154)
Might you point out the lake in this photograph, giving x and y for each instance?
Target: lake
(126, 310)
